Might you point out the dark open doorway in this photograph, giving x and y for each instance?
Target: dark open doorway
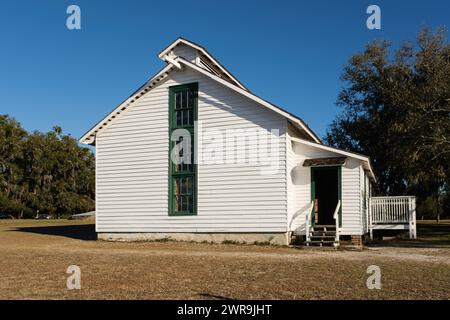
(325, 191)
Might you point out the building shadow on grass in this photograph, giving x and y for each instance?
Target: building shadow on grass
(80, 232)
(214, 297)
(429, 235)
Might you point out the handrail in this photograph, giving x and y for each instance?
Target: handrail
(392, 197)
(336, 218)
(308, 222)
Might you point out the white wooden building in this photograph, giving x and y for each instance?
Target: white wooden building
(194, 155)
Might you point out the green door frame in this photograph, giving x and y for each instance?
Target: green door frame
(313, 189)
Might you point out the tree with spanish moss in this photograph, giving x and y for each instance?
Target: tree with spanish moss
(45, 172)
(396, 109)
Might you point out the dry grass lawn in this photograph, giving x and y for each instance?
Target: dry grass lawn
(35, 256)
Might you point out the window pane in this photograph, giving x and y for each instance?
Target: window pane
(185, 203)
(184, 101)
(178, 100)
(189, 204)
(191, 99)
(181, 203)
(183, 156)
(180, 146)
(179, 117)
(184, 194)
(183, 185)
(185, 117)
(177, 152)
(190, 117)
(189, 188)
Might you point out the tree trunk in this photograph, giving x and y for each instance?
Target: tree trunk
(438, 211)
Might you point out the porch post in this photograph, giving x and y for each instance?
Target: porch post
(415, 222)
(412, 218)
(370, 218)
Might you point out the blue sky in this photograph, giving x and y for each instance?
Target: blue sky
(50, 75)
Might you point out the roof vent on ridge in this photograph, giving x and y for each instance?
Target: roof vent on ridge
(194, 53)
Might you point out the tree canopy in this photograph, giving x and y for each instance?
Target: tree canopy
(48, 172)
(396, 109)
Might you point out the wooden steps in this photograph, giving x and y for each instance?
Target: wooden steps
(322, 236)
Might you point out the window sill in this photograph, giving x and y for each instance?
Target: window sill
(177, 214)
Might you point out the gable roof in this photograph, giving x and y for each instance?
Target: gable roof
(176, 63)
(89, 136)
(253, 97)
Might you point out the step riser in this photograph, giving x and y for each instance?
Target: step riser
(328, 245)
(322, 237)
(328, 241)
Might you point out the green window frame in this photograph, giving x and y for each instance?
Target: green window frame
(183, 113)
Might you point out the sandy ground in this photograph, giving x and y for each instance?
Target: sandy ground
(35, 256)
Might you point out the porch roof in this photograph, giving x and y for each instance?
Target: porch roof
(364, 159)
(324, 162)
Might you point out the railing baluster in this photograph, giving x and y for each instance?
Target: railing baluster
(389, 210)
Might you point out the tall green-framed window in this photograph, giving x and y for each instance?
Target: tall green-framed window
(182, 169)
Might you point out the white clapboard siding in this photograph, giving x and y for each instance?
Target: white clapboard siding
(351, 198)
(368, 182)
(363, 208)
(132, 167)
(291, 188)
(301, 183)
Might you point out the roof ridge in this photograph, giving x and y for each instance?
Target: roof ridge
(205, 52)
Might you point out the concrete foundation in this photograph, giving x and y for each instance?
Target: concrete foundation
(247, 238)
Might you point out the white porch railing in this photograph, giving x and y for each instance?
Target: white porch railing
(336, 219)
(309, 222)
(393, 213)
